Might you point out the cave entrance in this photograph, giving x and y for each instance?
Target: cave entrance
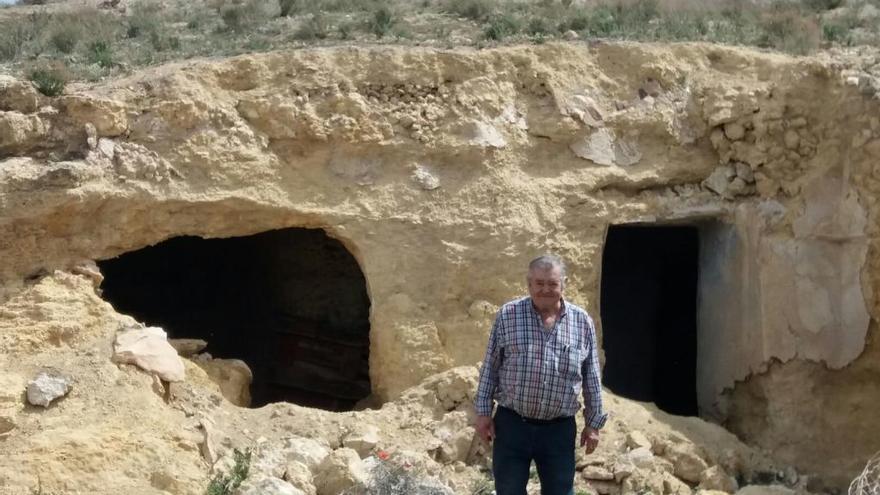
(290, 303)
(649, 314)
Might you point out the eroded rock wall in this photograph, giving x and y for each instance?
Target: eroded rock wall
(445, 172)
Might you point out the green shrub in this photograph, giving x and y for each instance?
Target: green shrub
(822, 5)
(145, 18)
(100, 53)
(539, 26)
(50, 79)
(65, 37)
(292, 7)
(13, 37)
(477, 10)
(382, 20)
(603, 22)
(315, 27)
(501, 26)
(579, 21)
(836, 33)
(789, 31)
(225, 484)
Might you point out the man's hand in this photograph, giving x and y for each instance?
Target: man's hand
(589, 439)
(485, 428)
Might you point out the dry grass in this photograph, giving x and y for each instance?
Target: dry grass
(96, 44)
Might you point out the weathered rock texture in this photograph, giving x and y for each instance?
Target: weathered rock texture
(444, 173)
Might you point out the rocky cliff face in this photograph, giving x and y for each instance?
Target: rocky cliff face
(443, 173)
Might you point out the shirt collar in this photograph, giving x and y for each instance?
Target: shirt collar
(563, 311)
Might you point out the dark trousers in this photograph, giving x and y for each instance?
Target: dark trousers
(518, 442)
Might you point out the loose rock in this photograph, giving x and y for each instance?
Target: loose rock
(45, 388)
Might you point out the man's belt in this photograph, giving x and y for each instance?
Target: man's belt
(534, 421)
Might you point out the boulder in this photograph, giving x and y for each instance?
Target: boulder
(188, 347)
(299, 475)
(148, 349)
(267, 486)
(636, 439)
(686, 461)
(715, 478)
(339, 471)
(363, 439)
(309, 452)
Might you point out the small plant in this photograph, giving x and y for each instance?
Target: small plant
(100, 53)
(392, 478)
(65, 37)
(50, 79)
(836, 33)
(291, 7)
(482, 486)
(500, 27)
(476, 10)
(381, 22)
(822, 5)
(225, 484)
(315, 27)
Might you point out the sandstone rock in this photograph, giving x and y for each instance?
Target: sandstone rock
(267, 486)
(233, 376)
(636, 439)
(715, 478)
(604, 148)
(792, 139)
(719, 180)
(18, 96)
(674, 486)
(585, 109)
(688, 463)
(340, 470)
(148, 349)
(108, 116)
(605, 487)
(642, 482)
(19, 132)
(90, 270)
(570, 35)
(208, 444)
(734, 131)
(597, 473)
(362, 440)
(765, 490)
(641, 457)
(424, 178)
(91, 135)
(305, 450)
(737, 186)
(12, 386)
(744, 172)
(299, 475)
(484, 135)
(47, 387)
(188, 347)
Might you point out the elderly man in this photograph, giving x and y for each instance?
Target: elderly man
(541, 352)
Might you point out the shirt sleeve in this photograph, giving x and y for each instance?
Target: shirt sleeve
(593, 413)
(489, 371)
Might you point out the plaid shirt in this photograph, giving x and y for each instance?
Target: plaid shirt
(538, 372)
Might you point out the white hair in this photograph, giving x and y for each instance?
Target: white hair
(548, 262)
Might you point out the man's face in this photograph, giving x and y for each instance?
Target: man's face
(545, 286)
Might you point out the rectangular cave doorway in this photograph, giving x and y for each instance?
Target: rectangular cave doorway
(649, 314)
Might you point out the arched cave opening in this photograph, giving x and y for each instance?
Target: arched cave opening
(649, 314)
(290, 303)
